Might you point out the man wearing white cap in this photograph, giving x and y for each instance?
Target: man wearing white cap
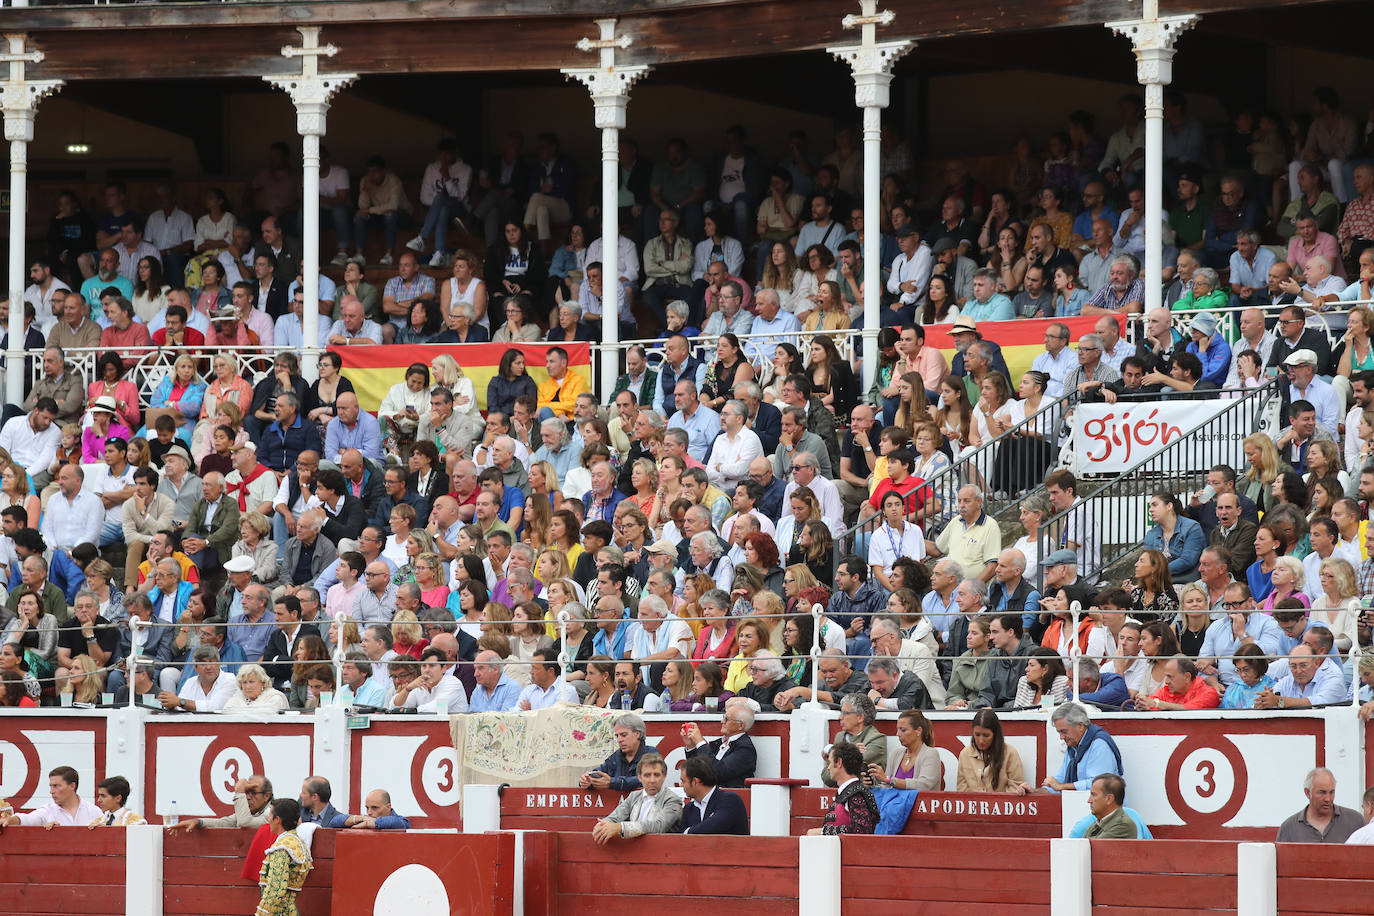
(251, 484)
(1210, 347)
(1303, 385)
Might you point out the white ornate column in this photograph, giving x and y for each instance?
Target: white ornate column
(871, 61)
(20, 105)
(311, 92)
(1152, 38)
(609, 86)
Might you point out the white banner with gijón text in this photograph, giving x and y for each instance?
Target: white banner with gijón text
(1109, 438)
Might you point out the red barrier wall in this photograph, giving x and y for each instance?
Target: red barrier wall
(38, 868)
(573, 810)
(1317, 878)
(750, 876)
(900, 876)
(201, 874)
(1163, 877)
(477, 872)
(957, 814)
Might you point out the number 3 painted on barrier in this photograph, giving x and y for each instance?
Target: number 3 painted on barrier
(446, 783)
(231, 769)
(1209, 784)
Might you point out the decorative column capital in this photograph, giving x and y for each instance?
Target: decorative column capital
(872, 66)
(1153, 42)
(608, 83)
(20, 96)
(870, 59)
(310, 90)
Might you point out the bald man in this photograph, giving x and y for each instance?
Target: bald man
(380, 815)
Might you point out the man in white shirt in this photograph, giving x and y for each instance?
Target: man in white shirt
(434, 686)
(115, 488)
(1362, 393)
(32, 441)
(1253, 337)
(1114, 348)
(444, 190)
(732, 451)
(208, 691)
(659, 636)
(627, 259)
(546, 686)
(806, 473)
(1058, 360)
(170, 230)
(910, 271)
(45, 294)
(73, 515)
(1303, 385)
(66, 808)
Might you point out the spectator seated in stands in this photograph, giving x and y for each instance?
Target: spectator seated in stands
(857, 715)
(380, 815)
(620, 771)
(653, 808)
(1184, 688)
(914, 762)
(710, 810)
(208, 691)
(733, 752)
(768, 679)
(839, 679)
(1104, 689)
(1090, 750)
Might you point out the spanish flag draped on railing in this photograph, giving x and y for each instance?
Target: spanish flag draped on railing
(1021, 340)
(373, 370)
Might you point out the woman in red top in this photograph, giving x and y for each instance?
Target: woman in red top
(717, 637)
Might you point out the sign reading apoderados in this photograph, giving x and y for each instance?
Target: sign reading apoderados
(1108, 438)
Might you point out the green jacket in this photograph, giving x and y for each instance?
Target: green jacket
(1115, 826)
(875, 750)
(224, 527)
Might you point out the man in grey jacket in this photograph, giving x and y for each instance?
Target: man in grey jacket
(1012, 647)
(652, 809)
(307, 554)
(252, 807)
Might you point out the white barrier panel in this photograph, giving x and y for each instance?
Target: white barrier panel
(1109, 438)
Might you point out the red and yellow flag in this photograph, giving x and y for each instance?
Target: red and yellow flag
(1021, 340)
(373, 370)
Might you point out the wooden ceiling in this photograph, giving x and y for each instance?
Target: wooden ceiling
(242, 39)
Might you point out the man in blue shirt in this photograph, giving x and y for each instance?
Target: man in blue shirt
(701, 422)
(611, 617)
(352, 428)
(357, 688)
(1241, 625)
(1311, 681)
(1089, 750)
(987, 303)
(547, 686)
(495, 692)
(1104, 689)
(380, 815)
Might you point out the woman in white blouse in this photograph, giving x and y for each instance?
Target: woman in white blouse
(818, 266)
(255, 693)
(896, 538)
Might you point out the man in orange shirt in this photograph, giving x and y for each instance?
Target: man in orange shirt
(1183, 689)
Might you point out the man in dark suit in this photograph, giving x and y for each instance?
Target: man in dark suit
(1235, 534)
(764, 419)
(893, 690)
(711, 810)
(268, 285)
(733, 752)
(344, 512)
(1293, 335)
(397, 493)
(276, 658)
(286, 254)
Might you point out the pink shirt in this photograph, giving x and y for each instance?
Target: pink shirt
(931, 365)
(1324, 245)
(135, 335)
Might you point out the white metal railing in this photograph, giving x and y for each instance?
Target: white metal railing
(1330, 321)
(155, 363)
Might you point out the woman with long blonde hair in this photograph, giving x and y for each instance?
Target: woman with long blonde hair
(1265, 468)
(538, 514)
